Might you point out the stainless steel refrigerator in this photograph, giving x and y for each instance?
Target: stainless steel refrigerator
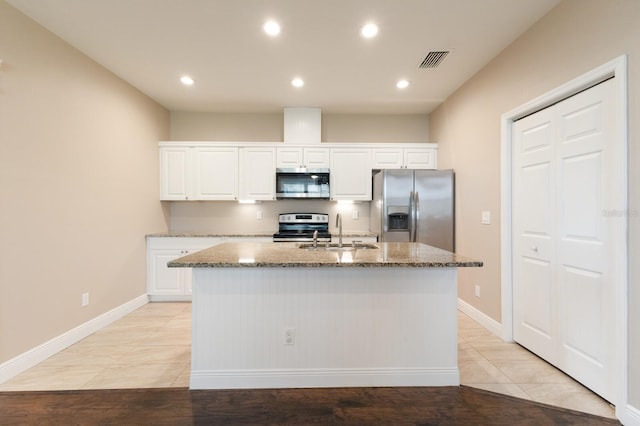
(414, 206)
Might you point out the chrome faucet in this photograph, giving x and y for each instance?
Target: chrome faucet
(339, 225)
(315, 239)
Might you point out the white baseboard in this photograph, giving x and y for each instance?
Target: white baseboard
(486, 321)
(172, 298)
(34, 356)
(628, 415)
(322, 378)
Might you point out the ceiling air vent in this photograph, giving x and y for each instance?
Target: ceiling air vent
(433, 59)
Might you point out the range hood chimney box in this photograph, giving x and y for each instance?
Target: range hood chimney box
(302, 125)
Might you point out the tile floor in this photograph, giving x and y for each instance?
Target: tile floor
(151, 348)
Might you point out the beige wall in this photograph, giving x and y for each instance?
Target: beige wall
(78, 186)
(194, 126)
(572, 39)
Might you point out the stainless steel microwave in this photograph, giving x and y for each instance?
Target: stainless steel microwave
(302, 183)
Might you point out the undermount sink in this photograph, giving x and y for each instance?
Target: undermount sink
(334, 247)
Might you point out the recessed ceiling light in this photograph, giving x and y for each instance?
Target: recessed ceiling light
(297, 82)
(272, 28)
(186, 80)
(402, 84)
(369, 30)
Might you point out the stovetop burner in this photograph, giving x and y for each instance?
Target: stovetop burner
(299, 227)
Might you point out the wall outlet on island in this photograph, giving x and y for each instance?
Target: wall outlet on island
(85, 299)
(289, 336)
(477, 290)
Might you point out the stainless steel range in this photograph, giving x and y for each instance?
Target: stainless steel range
(299, 227)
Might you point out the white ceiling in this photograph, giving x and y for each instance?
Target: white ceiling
(237, 68)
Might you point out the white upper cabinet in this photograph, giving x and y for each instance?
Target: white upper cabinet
(258, 173)
(404, 158)
(350, 174)
(295, 157)
(234, 171)
(215, 173)
(198, 173)
(174, 177)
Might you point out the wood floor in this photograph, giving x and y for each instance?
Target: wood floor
(362, 406)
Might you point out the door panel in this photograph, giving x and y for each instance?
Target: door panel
(536, 313)
(581, 321)
(563, 286)
(396, 193)
(435, 202)
(533, 232)
(584, 247)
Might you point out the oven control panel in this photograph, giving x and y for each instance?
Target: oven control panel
(303, 218)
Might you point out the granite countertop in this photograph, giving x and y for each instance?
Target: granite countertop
(251, 255)
(186, 234)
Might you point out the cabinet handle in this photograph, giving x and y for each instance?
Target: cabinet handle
(534, 249)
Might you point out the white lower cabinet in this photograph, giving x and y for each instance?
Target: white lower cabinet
(166, 284)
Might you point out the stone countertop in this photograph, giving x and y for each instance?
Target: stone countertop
(185, 234)
(267, 255)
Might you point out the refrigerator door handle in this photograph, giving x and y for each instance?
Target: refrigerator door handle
(411, 218)
(416, 203)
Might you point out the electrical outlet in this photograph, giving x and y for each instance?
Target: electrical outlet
(289, 336)
(486, 218)
(355, 214)
(477, 290)
(85, 299)
(259, 215)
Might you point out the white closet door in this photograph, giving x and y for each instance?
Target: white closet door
(534, 204)
(564, 244)
(586, 243)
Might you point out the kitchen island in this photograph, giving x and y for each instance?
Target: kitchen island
(273, 315)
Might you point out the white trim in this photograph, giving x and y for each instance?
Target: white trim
(617, 68)
(483, 319)
(32, 357)
(169, 298)
(323, 378)
(629, 415)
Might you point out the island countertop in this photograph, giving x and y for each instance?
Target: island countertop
(267, 255)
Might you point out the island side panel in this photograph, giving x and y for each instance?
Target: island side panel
(352, 326)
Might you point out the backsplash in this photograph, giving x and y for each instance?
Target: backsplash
(230, 217)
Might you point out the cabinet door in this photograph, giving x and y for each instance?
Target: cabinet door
(387, 158)
(165, 281)
(174, 173)
(258, 173)
(172, 284)
(289, 158)
(317, 158)
(351, 174)
(215, 173)
(419, 158)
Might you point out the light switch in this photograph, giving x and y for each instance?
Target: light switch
(486, 218)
